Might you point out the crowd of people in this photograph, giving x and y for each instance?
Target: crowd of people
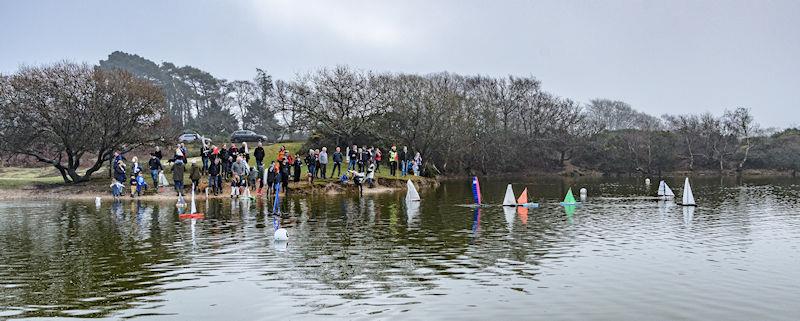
(231, 165)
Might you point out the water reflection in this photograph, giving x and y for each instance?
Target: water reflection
(378, 256)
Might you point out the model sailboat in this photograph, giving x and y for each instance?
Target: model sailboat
(569, 199)
(412, 194)
(522, 201)
(664, 192)
(193, 209)
(509, 200)
(688, 198)
(476, 190)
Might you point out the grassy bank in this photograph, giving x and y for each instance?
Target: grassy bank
(17, 182)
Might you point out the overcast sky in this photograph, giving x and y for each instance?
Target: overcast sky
(659, 56)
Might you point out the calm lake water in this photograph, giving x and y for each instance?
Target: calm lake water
(735, 257)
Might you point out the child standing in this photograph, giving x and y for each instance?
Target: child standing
(141, 184)
(235, 186)
(134, 185)
(116, 188)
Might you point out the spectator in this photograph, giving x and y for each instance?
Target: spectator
(177, 175)
(352, 156)
(404, 161)
(337, 162)
(155, 167)
(316, 163)
(194, 175)
(285, 176)
(234, 153)
(226, 164)
(135, 168)
(245, 152)
(311, 164)
(259, 155)
(205, 155)
(297, 166)
(364, 161)
(417, 164)
(134, 188)
(141, 185)
(371, 174)
(271, 178)
(393, 161)
(184, 152)
(157, 153)
(378, 158)
(323, 162)
(214, 179)
(119, 171)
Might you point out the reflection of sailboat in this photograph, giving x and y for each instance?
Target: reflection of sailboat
(193, 214)
(412, 211)
(688, 215)
(522, 212)
(570, 211)
(509, 214)
(523, 200)
(509, 200)
(664, 192)
(476, 222)
(688, 198)
(411, 195)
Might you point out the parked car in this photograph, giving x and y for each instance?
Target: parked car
(191, 138)
(247, 136)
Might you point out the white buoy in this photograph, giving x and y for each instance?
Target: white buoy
(583, 194)
(646, 181)
(281, 235)
(97, 201)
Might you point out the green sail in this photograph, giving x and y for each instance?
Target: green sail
(569, 199)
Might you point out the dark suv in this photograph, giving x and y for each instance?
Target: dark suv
(247, 136)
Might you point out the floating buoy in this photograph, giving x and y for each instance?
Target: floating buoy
(281, 235)
(583, 194)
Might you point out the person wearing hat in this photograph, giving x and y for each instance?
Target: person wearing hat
(194, 175)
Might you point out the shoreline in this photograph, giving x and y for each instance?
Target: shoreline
(91, 191)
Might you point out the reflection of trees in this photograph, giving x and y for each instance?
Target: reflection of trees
(62, 254)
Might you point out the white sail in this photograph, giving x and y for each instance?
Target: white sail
(688, 198)
(661, 189)
(194, 207)
(412, 194)
(509, 200)
(668, 191)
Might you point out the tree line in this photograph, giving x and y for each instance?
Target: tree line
(65, 113)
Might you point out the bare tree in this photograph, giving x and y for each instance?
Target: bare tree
(64, 113)
(740, 123)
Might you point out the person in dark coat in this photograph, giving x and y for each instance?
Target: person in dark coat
(214, 180)
(259, 155)
(177, 175)
(285, 176)
(298, 165)
(155, 167)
